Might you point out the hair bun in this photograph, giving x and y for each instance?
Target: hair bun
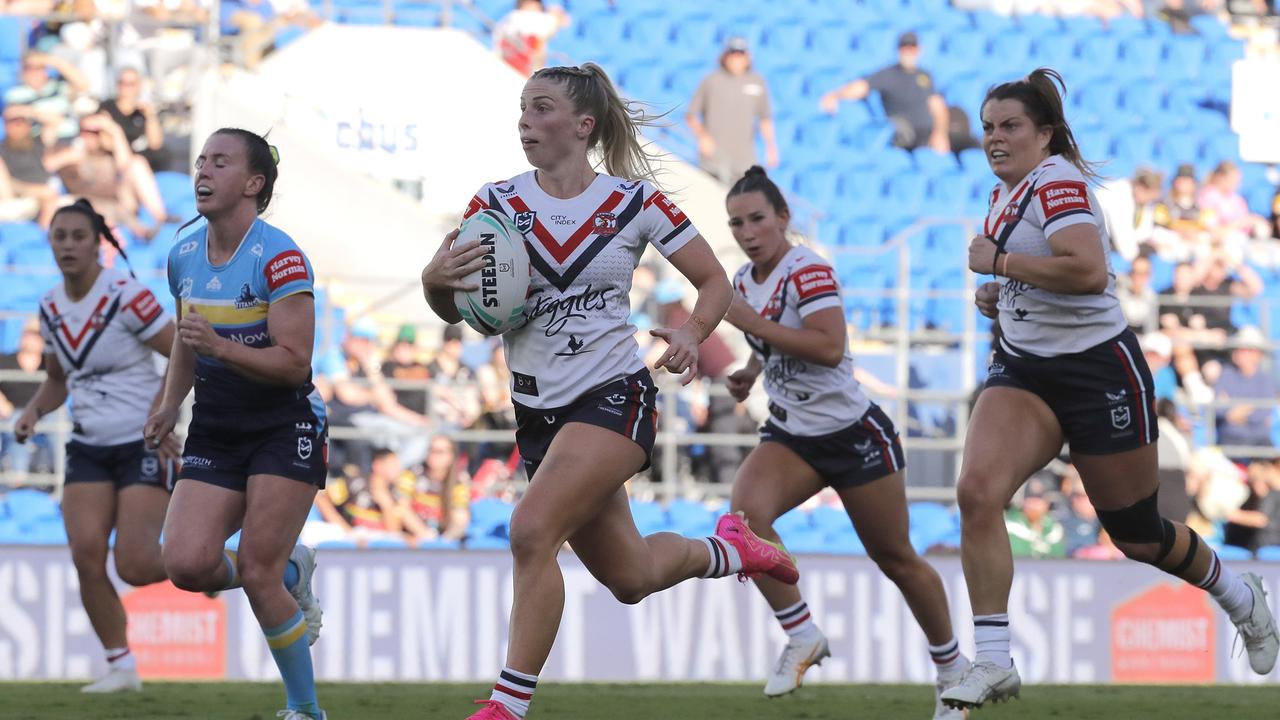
(755, 171)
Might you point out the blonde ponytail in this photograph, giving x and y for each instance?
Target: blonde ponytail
(617, 132)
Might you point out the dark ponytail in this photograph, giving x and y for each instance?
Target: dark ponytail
(1040, 97)
(755, 179)
(100, 228)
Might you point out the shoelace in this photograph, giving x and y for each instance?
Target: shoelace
(788, 654)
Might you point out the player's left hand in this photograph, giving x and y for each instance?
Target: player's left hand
(982, 253)
(741, 315)
(681, 356)
(198, 334)
(169, 450)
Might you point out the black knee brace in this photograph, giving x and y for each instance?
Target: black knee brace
(1139, 523)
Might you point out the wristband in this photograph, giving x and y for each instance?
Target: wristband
(1004, 271)
(995, 261)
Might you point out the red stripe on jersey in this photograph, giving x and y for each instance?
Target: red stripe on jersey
(145, 306)
(1010, 209)
(473, 207)
(560, 252)
(668, 208)
(1063, 196)
(813, 280)
(74, 342)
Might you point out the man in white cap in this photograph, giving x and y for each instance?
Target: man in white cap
(1158, 350)
(1242, 380)
(727, 109)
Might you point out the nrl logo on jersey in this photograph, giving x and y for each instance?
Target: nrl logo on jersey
(524, 221)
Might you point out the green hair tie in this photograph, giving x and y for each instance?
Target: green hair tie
(275, 154)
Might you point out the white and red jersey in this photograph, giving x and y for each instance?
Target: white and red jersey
(1051, 197)
(805, 398)
(582, 252)
(99, 341)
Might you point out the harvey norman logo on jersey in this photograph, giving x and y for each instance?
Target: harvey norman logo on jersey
(285, 268)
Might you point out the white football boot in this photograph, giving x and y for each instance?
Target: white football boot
(801, 652)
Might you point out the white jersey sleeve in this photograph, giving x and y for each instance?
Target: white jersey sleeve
(1062, 200)
(142, 314)
(662, 223)
(814, 288)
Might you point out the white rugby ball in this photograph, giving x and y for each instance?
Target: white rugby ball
(497, 305)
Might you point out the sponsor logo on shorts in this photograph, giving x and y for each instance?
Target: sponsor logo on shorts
(996, 369)
(616, 399)
(304, 448)
(197, 461)
(1117, 398)
(1120, 418)
(302, 426)
(610, 410)
(150, 467)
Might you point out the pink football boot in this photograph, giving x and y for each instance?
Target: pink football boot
(758, 555)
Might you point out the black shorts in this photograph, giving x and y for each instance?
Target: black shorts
(627, 407)
(1103, 397)
(123, 465)
(865, 451)
(220, 453)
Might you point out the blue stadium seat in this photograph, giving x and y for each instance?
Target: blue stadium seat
(13, 32)
(1144, 54)
(1056, 50)
(691, 518)
(442, 544)
(387, 543)
(337, 544)
(1233, 553)
(792, 521)
(1038, 25)
(1128, 27)
(845, 542)
(488, 514)
(488, 543)
(1270, 552)
(809, 541)
(649, 517)
(15, 234)
(31, 506)
(1209, 26)
(416, 15)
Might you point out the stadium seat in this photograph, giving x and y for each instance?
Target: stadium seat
(337, 544)
(793, 520)
(1233, 553)
(486, 542)
(387, 543)
(1270, 552)
(440, 544)
(649, 517)
(31, 506)
(13, 32)
(691, 518)
(844, 542)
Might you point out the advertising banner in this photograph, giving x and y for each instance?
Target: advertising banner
(428, 616)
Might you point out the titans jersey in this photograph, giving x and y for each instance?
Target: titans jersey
(805, 398)
(583, 252)
(99, 341)
(1040, 322)
(234, 297)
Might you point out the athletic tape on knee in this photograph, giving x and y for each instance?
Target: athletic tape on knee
(1138, 523)
(1168, 537)
(1193, 544)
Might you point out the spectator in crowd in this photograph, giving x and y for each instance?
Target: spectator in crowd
(1174, 456)
(256, 22)
(365, 399)
(722, 413)
(1033, 532)
(1129, 208)
(1179, 212)
(101, 167)
(14, 207)
(436, 504)
(918, 113)
(726, 111)
(14, 396)
(1260, 512)
(1275, 215)
(1157, 348)
(455, 393)
(1241, 380)
(1226, 214)
(1220, 488)
(403, 364)
(1194, 386)
(493, 381)
(137, 118)
(49, 96)
(362, 503)
(1138, 300)
(1178, 13)
(522, 35)
(1224, 278)
(24, 154)
(1103, 549)
(1181, 317)
(1075, 514)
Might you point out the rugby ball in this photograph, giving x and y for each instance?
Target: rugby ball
(497, 305)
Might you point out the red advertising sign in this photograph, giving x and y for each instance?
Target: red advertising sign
(1165, 635)
(176, 634)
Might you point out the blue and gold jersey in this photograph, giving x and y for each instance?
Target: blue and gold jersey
(234, 297)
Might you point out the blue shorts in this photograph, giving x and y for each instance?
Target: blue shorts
(220, 453)
(865, 451)
(1103, 397)
(123, 465)
(627, 407)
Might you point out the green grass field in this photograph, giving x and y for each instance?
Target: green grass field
(259, 701)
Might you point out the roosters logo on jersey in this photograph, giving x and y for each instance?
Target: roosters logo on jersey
(604, 223)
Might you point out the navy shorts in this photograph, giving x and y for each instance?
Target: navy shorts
(220, 453)
(627, 407)
(1103, 397)
(123, 465)
(865, 451)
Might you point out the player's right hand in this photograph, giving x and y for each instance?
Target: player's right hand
(985, 298)
(159, 427)
(451, 264)
(740, 383)
(25, 427)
